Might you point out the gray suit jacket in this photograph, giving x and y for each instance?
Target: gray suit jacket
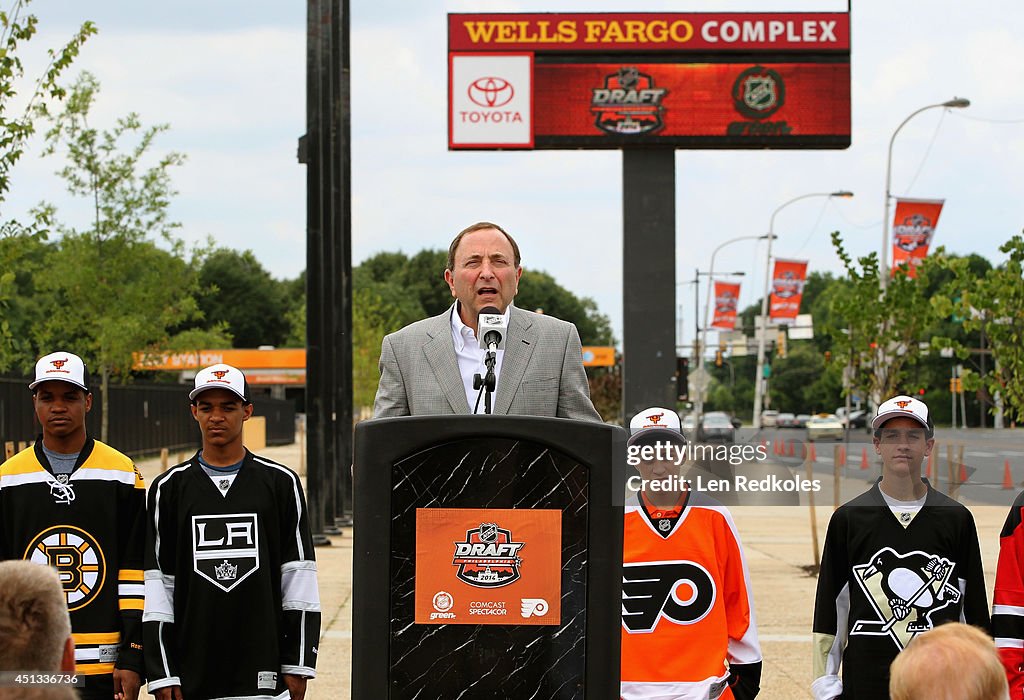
(541, 373)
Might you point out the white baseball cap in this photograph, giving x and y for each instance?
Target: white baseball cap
(221, 377)
(902, 407)
(61, 367)
(655, 421)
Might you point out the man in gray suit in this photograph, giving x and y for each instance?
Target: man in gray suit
(427, 367)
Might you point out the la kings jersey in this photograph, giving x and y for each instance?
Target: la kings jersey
(229, 577)
(90, 525)
(881, 584)
(686, 605)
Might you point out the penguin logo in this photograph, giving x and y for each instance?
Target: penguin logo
(905, 590)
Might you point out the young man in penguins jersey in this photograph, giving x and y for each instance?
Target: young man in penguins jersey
(899, 560)
(232, 604)
(688, 627)
(75, 504)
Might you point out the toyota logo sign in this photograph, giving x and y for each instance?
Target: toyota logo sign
(491, 91)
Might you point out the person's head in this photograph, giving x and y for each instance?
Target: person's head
(651, 428)
(951, 662)
(903, 435)
(221, 404)
(61, 396)
(484, 267)
(35, 629)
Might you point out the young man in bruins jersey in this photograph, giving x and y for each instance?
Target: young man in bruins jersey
(688, 625)
(75, 504)
(898, 560)
(229, 564)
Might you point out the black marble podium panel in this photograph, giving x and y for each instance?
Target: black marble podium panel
(471, 662)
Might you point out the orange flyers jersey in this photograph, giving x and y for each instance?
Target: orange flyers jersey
(686, 602)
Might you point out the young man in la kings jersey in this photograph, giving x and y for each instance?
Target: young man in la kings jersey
(229, 564)
(688, 624)
(899, 560)
(78, 505)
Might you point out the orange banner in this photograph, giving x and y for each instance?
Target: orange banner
(488, 566)
(243, 359)
(787, 288)
(912, 230)
(727, 297)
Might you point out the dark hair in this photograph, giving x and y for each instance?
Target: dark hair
(929, 431)
(480, 226)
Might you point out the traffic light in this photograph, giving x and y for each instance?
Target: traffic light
(920, 392)
(682, 378)
(780, 345)
(718, 358)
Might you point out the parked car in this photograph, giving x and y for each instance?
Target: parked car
(686, 425)
(717, 428)
(769, 418)
(858, 418)
(736, 422)
(785, 420)
(801, 419)
(824, 427)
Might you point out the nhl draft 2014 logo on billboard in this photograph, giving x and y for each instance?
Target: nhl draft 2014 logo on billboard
(787, 285)
(225, 548)
(628, 103)
(488, 558)
(915, 232)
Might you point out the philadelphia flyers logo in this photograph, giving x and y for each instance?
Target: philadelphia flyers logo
(682, 592)
(76, 556)
(903, 404)
(219, 373)
(58, 363)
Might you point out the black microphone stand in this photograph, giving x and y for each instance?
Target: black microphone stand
(486, 383)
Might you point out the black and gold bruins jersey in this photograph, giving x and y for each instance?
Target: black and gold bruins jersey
(90, 525)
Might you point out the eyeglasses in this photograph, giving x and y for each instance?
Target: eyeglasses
(893, 436)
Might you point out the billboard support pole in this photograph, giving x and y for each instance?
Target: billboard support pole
(648, 278)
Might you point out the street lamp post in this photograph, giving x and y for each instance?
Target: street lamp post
(759, 378)
(883, 268)
(702, 344)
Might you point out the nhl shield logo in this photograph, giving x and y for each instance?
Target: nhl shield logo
(488, 558)
(225, 548)
(758, 92)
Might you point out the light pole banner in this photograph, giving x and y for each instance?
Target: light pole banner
(727, 297)
(912, 230)
(787, 288)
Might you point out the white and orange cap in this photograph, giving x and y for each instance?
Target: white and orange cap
(61, 367)
(902, 407)
(221, 377)
(655, 421)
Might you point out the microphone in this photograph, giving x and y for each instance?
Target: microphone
(491, 329)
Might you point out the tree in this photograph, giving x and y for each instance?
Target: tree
(117, 290)
(991, 303)
(22, 244)
(879, 333)
(238, 292)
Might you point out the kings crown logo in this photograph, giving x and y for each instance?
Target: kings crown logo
(226, 571)
(488, 558)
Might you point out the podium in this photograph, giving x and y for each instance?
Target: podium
(487, 558)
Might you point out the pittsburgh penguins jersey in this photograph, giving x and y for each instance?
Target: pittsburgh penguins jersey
(230, 575)
(687, 608)
(881, 584)
(90, 525)
(1008, 599)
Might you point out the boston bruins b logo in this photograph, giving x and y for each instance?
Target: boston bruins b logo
(681, 591)
(76, 556)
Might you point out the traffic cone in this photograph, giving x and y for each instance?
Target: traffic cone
(864, 458)
(814, 455)
(963, 474)
(803, 450)
(928, 468)
(1007, 476)
(792, 453)
(842, 456)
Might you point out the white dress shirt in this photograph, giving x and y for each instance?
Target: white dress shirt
(471, 358)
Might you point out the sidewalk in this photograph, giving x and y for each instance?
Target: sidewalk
(778, 547)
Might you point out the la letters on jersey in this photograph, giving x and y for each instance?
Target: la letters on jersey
(225, 548)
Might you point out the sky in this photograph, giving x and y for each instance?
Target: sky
(228, 77)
